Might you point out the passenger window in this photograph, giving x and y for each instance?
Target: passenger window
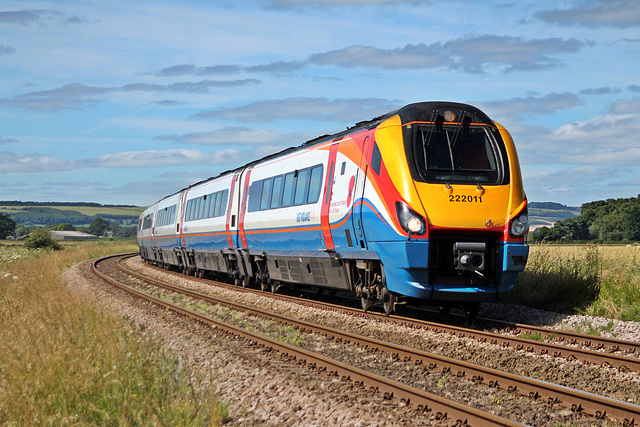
(222, 209)
(287, 191)
(277, 192)
(255, 191)
(266, 194)
(315, 185)
(301, 187)
(211, 205)
(344, 167)
(214, 204)
(201, 206)
(189, 210)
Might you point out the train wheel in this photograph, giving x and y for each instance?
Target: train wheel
(265, 286)
(245, 281)
(367, 303)
(388, 302)
(274, 286)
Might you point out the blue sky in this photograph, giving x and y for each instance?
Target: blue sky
(123, 102)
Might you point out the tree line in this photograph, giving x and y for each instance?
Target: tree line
(98, 227)
(611, 220)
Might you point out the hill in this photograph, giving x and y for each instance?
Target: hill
(77, 214)
(548, 213)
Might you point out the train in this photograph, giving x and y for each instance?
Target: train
(424, 204)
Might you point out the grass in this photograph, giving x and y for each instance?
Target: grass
(65, 361)
(590, 279)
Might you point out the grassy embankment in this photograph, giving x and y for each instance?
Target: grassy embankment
(66, 361)
(589, 279)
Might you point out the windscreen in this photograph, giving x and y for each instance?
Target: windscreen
(457, 154)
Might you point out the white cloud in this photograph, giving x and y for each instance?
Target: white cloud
(599, 13)
(302, 108)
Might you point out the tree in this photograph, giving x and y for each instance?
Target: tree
(65, 226)
(99, 226)
(7, 226)
(41, 239)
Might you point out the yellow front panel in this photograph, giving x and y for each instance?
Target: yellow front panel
(464, 206)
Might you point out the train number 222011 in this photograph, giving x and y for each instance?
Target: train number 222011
(464, 198)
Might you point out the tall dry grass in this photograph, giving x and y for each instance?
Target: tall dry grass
(589, 279)
(64, 361)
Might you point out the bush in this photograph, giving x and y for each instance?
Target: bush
(41, 239)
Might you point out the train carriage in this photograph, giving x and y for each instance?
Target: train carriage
(425, 202)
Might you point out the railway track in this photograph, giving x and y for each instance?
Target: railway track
(602, 351)
(443, 410)
(587, 403)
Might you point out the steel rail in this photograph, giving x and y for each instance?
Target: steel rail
(575, 399)
(619, 362)
(443, 409)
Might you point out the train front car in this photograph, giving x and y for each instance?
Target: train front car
(450, 181)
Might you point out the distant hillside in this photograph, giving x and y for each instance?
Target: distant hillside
(47, 213)
(548, 213)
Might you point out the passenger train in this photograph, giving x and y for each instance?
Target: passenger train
(425, 203)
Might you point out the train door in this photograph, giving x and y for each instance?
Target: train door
(232, 212)
(358, 192)
(326, 198)
(243, 193)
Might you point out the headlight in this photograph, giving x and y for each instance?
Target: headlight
(410, 221)
(519, 226)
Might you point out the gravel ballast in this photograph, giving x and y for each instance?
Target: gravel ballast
(262, 388)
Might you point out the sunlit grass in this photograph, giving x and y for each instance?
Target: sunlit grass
(588, 279)
(65, 361)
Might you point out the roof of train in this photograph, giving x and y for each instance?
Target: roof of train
(420, 111)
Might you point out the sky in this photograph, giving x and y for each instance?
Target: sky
(124, 102)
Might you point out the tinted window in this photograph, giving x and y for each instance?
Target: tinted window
(465, 154)
(255, 192)
(301, 187)
(266, 194)
(276, 192)
(287, 190)
(315, 184)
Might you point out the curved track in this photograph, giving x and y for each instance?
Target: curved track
(574, 399)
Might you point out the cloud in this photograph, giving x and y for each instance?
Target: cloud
(605, 141)
(625, 106)
(474, 54)
(31, 163)
(294, 4)
(5, 50)
(190, 69)
(469, 54)
(301, 108)
(245, 136)
(410, 56)
(36, 163)
(77, 94)
(24, 17)
(600, 91)
(7, 140)
(531, 105)
(610, 13)
(159, 158)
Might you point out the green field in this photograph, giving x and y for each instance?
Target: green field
(85, 210)
(41, 214)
